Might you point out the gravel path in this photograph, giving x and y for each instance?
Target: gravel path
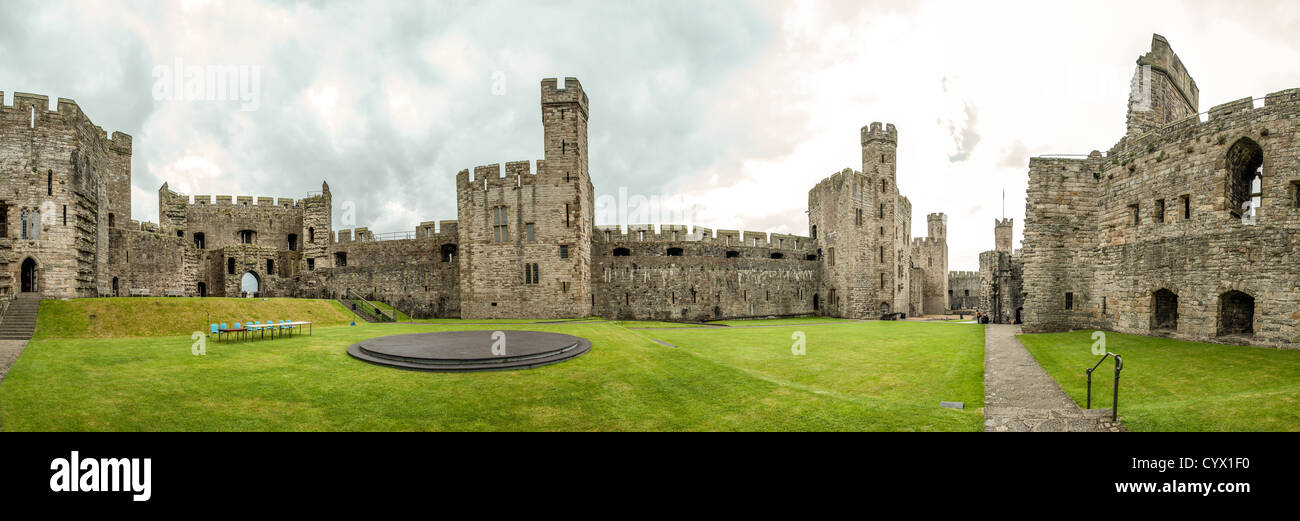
(1019, 396)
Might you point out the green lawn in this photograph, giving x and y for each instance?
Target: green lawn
(1174, 385)
(780, 321)
(855, 376)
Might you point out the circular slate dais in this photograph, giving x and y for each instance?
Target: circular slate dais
(462, 351)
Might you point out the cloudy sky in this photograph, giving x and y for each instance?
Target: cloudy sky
(736, 108)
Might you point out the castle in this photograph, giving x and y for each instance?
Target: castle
(523, 243)
(1186, 228)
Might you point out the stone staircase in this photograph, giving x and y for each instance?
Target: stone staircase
(20, 319)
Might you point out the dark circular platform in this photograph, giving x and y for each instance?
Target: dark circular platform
(457, 351)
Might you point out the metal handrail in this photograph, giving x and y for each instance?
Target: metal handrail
(1114, 401)
(372, 309)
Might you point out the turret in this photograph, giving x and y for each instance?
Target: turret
(879, 149)
(1002, 234)
(938, 226)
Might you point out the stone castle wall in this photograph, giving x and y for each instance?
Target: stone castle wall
(1158, 212)
(965, 290)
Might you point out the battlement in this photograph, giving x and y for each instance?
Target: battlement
(875, 132)
(23, 101)
(283, 203)
(963, 274)
(571, 93)
(668, 233)
(353, 235)
(429, 229)
(928, 241)
(937, 217)
(513, 174)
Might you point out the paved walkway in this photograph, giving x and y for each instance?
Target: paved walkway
(1019, 396)
(9, 351)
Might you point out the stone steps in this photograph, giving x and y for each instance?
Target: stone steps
(20, 319)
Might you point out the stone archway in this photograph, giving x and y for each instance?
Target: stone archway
(30, 276)
(250, 284)
(1236, 314)
(1164, 310)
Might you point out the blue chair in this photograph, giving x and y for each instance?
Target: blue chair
(214, 332)
(224, 326)
(238, 325)
(286, 327)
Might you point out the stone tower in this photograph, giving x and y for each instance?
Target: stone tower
(1162, 91)
(1002, 235)
(938, 226)
(525, 235)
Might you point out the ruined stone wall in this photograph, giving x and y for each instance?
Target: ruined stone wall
(420, 276)
(964, 290)
(57, 163)
(150, 263)
(1157, 212)
(675, 275)
(1162, 90)
(220, 221)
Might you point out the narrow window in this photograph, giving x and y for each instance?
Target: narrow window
(566, 215)
(528, 274)
(65, 218)
(270, 266)
(830, 256)
(311, 264)
(1295, 193)
(1069, 301)
(882, 254)
(1160, 211)
(857, 218)
(528, 231)
(49, 182)
(246, 236)
(882, 210)
(1137, 214)
(1187, 207)
(111, 221)
(293, 242)
(500, 228)
(564, 251)
(311, 235)
(882, 281)
(608, 235)
(341, 259)
(4, 220)
(814, 232)
(179, 233)
(230, 265)
(199, 241)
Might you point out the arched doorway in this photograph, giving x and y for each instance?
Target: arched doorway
(250, 284)
(884, 308)
(1018, 319)
(1236, 314)
(29, 282)
(1164, 310)
(115, 293)
(203, 289)
(817, 302)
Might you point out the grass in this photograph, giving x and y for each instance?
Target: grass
(655, 323)
(1175, 385)
(855, 376)
(780, 321)
(127, 317)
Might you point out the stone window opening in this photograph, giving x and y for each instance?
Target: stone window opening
(564, 146)
(967, 293)
(1187, 206)
(622, 252)
(1245, 166)
(230, 265)
(49, 182)
(500, 228)
(530, 274)
(4, 219)
(1137, 213)
(1160, 211)
(567, 213)
(341, 259)
(203, 289)
(732, 254)
(810, 256)
(200, 241)
(814, 232)
(778, 255)
(111, 221)
(674, 252)
(857, 218)
(882, 254)
(311, 235)
(882, 210)
(1295, 193)
(1236, 314)
(830, 256)
(65, 218)
(270, 266)
(1069, 301)
(528, 232)
(311, 264)
(608, 235)
(564, 251)
(882, 281)
(448, 252)
(293, 242)
(246, 236)
(1164, 310)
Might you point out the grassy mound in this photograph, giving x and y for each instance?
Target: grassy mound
(127, 317)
